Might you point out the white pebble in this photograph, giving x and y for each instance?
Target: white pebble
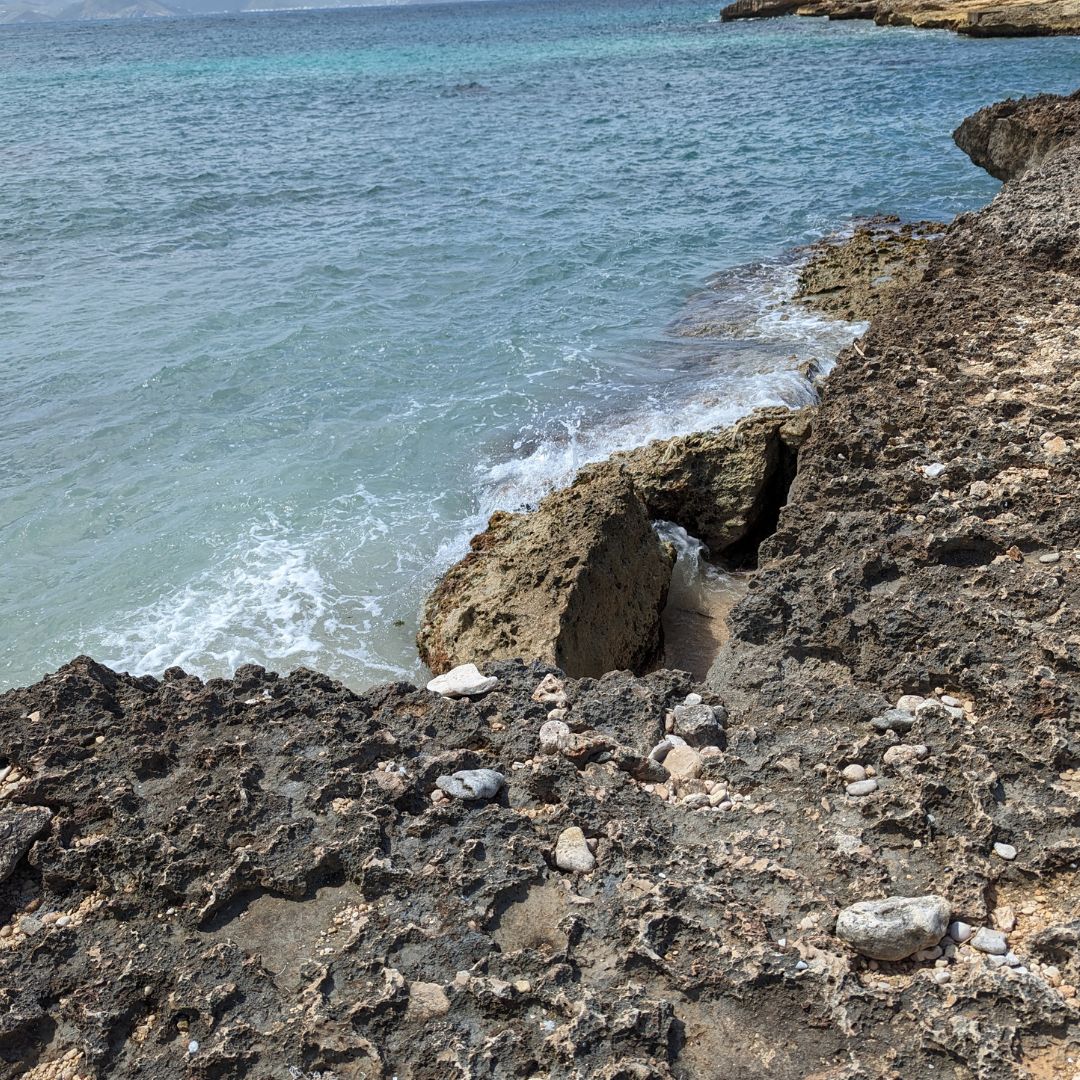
(948, 699)
(692, 699)
(990, 941)
(959, 931)
(853, 773)
(1005, 851)
(193, 1047)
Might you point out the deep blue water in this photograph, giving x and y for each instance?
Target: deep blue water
(287, 306)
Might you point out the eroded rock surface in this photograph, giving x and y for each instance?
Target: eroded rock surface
(857, 277)
(579, 583)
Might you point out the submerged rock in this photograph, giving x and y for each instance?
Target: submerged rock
(580, 583)
(894, 928)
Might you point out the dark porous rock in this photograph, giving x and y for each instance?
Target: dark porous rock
(19, 828)
(1010, 137)
(579, 583)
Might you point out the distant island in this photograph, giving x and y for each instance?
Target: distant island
(29, 11)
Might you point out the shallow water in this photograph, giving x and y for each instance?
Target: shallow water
(288, 307)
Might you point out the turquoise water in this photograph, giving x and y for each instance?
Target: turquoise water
(288, 306)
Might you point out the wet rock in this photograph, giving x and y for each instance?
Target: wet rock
(572, 852)
(580, 583)
(472, 784)
(19, 827)
(465, 680)
(893, 928)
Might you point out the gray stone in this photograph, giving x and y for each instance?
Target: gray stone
(700, 725)
(853, 773)
(993, 942)
(862, 787)
(893, 720)
(19, 827)
(959, 931)
(472, 784)
(894, 928)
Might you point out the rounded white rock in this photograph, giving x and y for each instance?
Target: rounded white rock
(572, 851)
(1005, 851)
(464, 680)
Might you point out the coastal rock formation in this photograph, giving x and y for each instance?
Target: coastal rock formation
(855, 278)
(580, 583)
(724, 487)
(1010, 137)
(978, 18)
(263, 876)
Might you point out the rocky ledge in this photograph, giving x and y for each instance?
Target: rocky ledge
(854, 854)
(976, 18)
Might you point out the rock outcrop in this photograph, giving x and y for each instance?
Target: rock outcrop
(725, 487)
(579, 583)
(1010, 137)
(977, 18)
(857, 277)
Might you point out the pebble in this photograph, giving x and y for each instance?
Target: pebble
(4, 772)
(947, 699)
(933, 470)
(1005, 918)
(548, 688)
(5, 931)
(909, 703)
(905, 754)
(979, 489)
(893, 928)
(992, 942)
(1012, 959)
(463, 681)
(1005, 851)
(893, 720)
(941, 977)
(801, 965)
(572, 851)
(193, 1047)
(862, 787)
(64, 920)
(696, 801)
(692, 699)
(683, 763)
(554, 735)
(472, 784)
(1050, 557)
(853, 773)
(960, 931)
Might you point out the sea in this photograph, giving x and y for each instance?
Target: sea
(290, 302)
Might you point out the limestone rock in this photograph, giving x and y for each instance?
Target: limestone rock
(724, 487)
(572, 851)
(472, 784)
(894, 928)
(580, 583)
(19, 827)
(464, 680)
(1011, 137)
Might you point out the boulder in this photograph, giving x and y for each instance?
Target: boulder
(894, 928)
(580, 584)
(724, 487)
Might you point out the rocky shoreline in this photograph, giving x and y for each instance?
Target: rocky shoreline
(975, 18)
(852, 853)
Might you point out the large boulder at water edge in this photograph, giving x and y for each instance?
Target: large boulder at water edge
(579, 583)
